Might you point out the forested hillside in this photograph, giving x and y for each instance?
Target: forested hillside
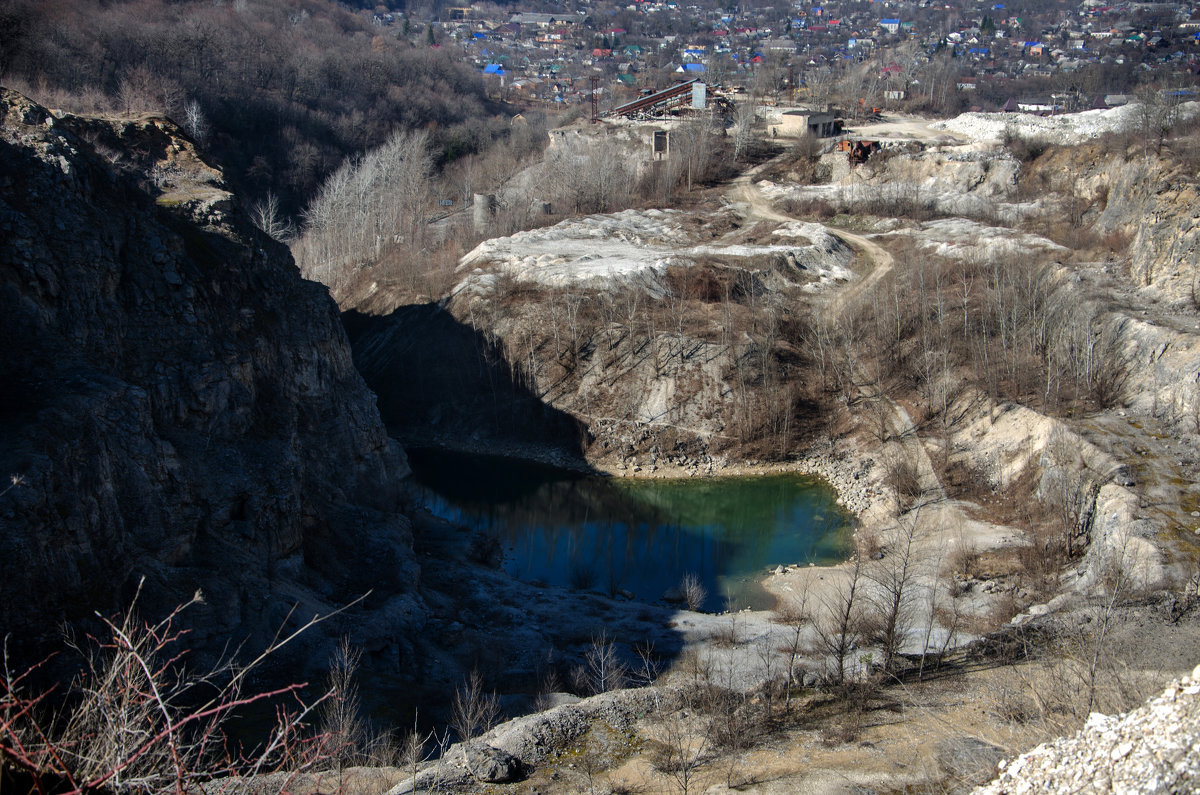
(279, 92)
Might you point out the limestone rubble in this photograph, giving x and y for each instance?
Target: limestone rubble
(1153, 749)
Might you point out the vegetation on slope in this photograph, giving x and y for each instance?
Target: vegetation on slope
(281, 93)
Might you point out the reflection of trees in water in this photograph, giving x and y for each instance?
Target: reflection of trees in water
(593, 533)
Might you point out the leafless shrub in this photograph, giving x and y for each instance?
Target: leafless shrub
(738, 723)
(341, 717)
(905, 480)
(549, 682)
(473, 711)
(647, 670)
(693, 592)
(964, 559)
(726, 633)
(820, 209)
(582, 576)
(1042, 563)
(1024, 149)
(869, 544)
(694, 672)
(138, 721)
(684, 741)
(842, 731)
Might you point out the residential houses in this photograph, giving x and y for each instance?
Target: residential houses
(554, 50)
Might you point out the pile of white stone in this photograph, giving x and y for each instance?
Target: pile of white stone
(1153, 749)
(1065, 128)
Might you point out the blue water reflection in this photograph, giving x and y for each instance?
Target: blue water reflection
(639, 536)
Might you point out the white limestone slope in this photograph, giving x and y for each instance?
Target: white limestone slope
(1066, 128)
(637, 246)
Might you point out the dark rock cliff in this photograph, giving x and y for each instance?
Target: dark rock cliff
(176, 403)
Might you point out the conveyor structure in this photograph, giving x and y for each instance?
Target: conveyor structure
(668, 96)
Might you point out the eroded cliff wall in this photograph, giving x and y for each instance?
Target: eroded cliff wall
(176, 402)
(1152, 201)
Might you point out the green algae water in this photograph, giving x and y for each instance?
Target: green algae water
(637, 536)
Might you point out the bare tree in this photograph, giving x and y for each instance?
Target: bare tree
(893, 598)
(934, 583)
(819, 83)
(605, 670)
(195, 122)
(1158, 111)
(593, 174)
(473, 711)
(267, 216)
(1093, 641)
(795, 614)
(341, 714)
(1067, 489)
(743, 127)
(837, 627)
(770, 673)
(366, 208)
(695, 145)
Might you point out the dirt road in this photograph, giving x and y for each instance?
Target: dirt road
(875, 259)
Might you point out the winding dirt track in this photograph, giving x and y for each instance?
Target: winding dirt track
(875, 258)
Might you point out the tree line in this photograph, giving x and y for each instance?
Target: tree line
(280, 93)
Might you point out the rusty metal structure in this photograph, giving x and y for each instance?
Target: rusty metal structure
(678, 94)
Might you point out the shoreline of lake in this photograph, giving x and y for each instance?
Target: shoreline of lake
(739, 526)
(850, 472)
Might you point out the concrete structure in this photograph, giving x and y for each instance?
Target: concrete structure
(484, 210)
(796, 123)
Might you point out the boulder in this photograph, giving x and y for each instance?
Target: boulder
(491, 765)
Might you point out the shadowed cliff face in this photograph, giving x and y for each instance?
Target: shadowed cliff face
(465, 388)
(178, 403)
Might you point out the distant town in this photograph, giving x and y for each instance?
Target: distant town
(916, 56)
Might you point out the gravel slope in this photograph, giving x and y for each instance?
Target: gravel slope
(1153, 749)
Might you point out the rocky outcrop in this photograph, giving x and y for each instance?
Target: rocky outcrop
(1153, 749)
(176, 403)
(1166, 248)
(984, 173)
(652, 334)
(1151, 202)
(468, 393)
(526, 742)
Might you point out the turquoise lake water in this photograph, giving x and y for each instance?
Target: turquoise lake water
(639, 536)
